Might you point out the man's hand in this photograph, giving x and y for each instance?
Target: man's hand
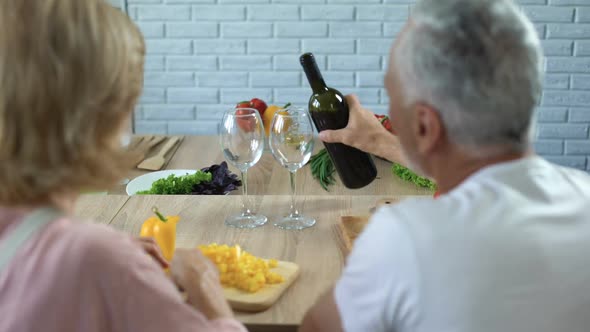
(365, 132)
(199, 278)
(150, 246)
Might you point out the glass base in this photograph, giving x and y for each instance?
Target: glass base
(295, 222)
(246, 220)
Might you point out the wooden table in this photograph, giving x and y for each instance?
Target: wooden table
(318, 250)
(269, 178)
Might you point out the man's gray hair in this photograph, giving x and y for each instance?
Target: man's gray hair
(479, 63)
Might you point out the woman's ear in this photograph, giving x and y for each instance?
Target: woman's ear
(428, 128)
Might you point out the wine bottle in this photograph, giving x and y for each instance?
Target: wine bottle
(329, 110)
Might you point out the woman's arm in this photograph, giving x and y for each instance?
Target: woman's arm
(199, 278)
(323, 316)
(137, 295)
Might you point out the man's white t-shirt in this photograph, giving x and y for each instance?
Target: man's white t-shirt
(506, 251)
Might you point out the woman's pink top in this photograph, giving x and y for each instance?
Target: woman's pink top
(73, 276)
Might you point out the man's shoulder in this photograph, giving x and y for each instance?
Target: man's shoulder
(405, 223)
(423, 220)
(578, 177)
(418, 210)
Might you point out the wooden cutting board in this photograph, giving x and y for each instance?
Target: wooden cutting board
(267, 296)
(352, 226)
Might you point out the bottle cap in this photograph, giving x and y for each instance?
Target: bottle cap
(306, 58)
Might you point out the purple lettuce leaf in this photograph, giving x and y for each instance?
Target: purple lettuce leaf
(222, 181)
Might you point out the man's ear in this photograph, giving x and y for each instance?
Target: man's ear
(428, 128)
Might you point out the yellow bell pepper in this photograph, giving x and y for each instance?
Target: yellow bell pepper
(163, 230)
(269, 114)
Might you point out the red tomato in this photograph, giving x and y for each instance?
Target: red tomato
(244, 104)
(259, 105)
(385, 122)
(247, 124)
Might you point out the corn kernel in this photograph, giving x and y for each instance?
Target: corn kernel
(273, 263)
(240, 269)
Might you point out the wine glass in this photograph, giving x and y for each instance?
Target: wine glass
(291, 143)
(242, 142)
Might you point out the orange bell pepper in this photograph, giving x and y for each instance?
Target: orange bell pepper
(163, 230)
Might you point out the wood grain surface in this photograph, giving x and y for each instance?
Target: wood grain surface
(99, 208)
(265, 298)
(319, 251)
(269, 178)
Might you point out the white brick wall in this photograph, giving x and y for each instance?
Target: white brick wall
(117, 3)
(205, 55)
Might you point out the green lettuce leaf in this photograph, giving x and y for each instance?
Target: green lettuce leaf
(177, 185)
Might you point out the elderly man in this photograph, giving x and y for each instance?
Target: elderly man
(505, 248)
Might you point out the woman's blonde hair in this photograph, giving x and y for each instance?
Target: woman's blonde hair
(70, 74)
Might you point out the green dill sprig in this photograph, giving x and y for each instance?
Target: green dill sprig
(322, 169)
(406, 174)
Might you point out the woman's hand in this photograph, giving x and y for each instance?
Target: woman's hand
(365, 133)
(199, 278)
(150, 246)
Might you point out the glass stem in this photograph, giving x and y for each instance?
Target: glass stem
(294, 211)
(245, 203)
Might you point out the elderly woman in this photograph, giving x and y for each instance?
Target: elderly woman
(70, 74)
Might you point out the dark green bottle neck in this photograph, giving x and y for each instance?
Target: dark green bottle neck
(318, 86)
(314, 76)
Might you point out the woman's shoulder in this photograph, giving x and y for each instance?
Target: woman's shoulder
(90, 233)
(96, 244)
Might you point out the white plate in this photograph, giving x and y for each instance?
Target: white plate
(144, 182)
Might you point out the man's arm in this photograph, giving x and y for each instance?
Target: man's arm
(366, 133)
(323, 316)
